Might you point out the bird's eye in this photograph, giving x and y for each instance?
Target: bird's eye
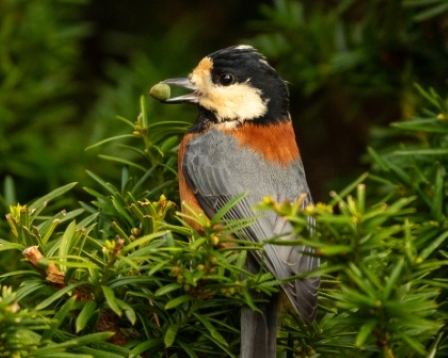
(226, 79)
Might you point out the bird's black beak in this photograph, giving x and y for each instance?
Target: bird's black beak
(186, 83)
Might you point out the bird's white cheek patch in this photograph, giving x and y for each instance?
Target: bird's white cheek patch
(239, 101)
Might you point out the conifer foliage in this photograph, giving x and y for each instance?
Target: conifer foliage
(125, 276)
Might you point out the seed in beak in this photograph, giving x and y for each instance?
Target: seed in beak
(160, 91)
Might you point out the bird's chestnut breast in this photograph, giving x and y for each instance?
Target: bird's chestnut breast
(275, 142)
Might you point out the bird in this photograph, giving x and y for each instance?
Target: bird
(243, 141)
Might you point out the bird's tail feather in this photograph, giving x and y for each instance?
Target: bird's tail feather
(259, 330)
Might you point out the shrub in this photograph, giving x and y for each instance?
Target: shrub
(125, 275)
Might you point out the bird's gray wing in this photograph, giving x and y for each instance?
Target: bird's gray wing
(217, 169)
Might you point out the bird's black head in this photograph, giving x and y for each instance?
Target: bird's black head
(236, 84)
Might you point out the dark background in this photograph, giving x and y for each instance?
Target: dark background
(68, 68)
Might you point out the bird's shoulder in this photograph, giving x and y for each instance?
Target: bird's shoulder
(274, 143)
(260, 160)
